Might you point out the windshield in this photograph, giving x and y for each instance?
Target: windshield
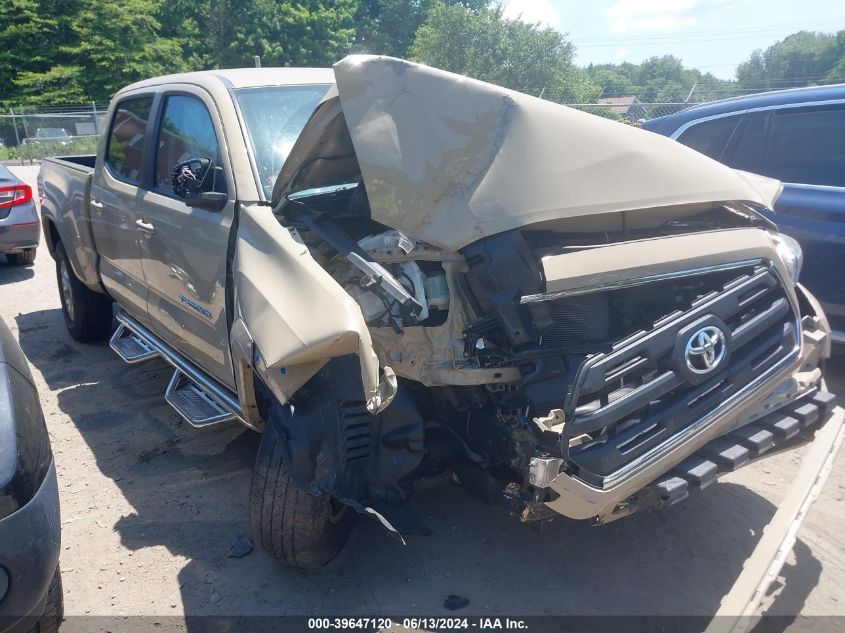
(274, 117)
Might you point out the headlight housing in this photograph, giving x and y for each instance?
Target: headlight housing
(790, 253)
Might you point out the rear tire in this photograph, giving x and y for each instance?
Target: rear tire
(88, 314)
(291, 525)
(23, 258)
(53, 609)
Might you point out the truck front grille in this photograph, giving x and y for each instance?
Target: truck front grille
(630, 400)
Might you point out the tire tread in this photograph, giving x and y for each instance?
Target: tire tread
(291, 525)
(92, 320)
(22, 258)
(53, 608)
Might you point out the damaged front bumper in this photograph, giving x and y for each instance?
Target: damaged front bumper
(787, 404)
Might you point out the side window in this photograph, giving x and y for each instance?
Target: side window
(126, 138)
(748, 149)
(186, 132)
(807, 146)
(710, 137)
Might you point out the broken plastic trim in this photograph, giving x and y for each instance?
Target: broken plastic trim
(380, 398)
(385, 523)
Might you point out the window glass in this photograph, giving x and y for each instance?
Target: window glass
(186, 132)
(749, 149)
(710, 137)
(126, 138)
(808, 146)
(274, 117)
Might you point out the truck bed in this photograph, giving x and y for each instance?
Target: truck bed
(65, 187)
(81, 162)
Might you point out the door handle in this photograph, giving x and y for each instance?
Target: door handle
(146, 227)
(99, 206)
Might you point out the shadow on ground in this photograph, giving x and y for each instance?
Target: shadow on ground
(190, 492)
(10, 273)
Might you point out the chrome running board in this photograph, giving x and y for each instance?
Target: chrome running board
(131, 347)
(199, 399)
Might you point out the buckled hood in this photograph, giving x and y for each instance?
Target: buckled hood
(449, 160)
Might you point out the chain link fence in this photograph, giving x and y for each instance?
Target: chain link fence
(629, 109)
(29, 134)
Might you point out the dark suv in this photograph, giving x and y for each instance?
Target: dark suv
(798, 137)
(30, 584)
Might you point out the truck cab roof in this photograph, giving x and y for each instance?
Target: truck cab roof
(241, 78)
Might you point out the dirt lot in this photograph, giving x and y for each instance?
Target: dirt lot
(151, 505)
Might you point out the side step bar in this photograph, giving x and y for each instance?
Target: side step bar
(196, 397)
(197, 405)
(131, 347)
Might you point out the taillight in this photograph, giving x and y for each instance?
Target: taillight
(15, 194)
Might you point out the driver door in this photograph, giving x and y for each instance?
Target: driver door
(184, 248)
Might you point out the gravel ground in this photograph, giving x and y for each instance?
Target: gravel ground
(150, 507)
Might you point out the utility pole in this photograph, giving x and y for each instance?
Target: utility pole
(15, 125)
(26, 138)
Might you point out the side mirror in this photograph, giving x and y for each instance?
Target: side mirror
(208, 200)
(193, 181)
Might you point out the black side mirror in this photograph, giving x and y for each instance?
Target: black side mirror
(209, 200)
(193, 181)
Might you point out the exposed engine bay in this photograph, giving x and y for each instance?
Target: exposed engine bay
(486, 379)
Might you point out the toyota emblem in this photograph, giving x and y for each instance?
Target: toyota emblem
(705, 350)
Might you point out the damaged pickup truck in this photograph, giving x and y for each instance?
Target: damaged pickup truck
(397, 273)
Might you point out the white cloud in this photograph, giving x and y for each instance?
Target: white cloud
(650, 15)
(532, 11)
(622, 53)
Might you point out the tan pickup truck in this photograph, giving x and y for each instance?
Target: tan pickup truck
(396, 274)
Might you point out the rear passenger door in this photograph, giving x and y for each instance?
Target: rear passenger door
(184, 249)
(804, 147)
(114, 203)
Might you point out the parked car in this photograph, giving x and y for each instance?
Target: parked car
(52, 134)
(30, 580)
(395, 272)
(797, 136)
(19, 226)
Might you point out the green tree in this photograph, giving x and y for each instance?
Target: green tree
(484, 45)
(300, 33)
(32, 35)
(119, 43)
(801, 59)
(388, 27)
(614, 80)
(60, 85)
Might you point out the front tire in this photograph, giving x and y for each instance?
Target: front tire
(23, 258)
(53, 609)
(88, 314)
(291, 525)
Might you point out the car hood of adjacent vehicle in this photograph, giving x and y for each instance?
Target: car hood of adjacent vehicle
(449, 160)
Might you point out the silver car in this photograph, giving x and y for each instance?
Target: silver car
(19, 230)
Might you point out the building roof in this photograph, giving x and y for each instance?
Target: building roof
(619, 105)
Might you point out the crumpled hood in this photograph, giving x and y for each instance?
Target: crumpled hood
(449, 160)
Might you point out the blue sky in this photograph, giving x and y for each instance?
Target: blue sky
(713, 35)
